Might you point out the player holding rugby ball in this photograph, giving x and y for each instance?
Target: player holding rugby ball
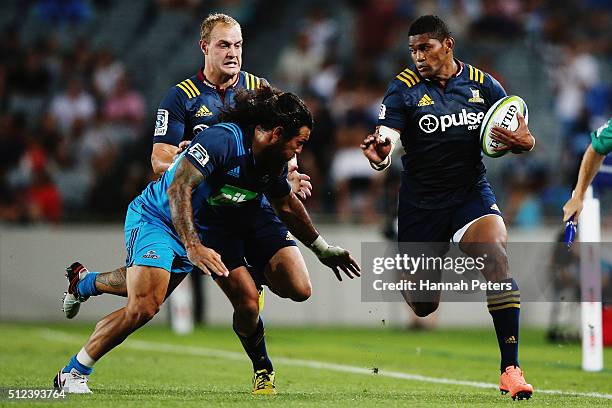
(435, 107)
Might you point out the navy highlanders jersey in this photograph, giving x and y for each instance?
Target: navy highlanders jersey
(439, 130)
(223, 154)
(194, 104)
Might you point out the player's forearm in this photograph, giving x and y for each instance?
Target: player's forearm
(591, 162)
(292, 213)
(179, 197)
(162, 157)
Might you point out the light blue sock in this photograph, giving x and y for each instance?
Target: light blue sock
(87, 286)
(74, 363)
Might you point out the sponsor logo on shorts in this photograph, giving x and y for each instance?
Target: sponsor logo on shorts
(161, 122)
(198, 152)
(289, 237)
(151, 255)
(495, 208)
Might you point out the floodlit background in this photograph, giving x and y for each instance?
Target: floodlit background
(80, 81)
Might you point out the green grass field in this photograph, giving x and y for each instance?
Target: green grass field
(315, 367)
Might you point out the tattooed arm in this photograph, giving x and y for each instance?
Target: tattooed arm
(186, 178)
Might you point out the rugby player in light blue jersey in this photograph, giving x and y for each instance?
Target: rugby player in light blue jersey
(435, 107)
(203, 211)
(187, 108)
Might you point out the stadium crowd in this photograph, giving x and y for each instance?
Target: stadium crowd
(76, 118)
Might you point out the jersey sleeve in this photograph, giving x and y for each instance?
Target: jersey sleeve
(393, 109)
(170, 120)
(211, 149)
(494, 89)
(280, 188)
(601, 139)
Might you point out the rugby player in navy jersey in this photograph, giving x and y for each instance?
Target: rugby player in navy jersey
(207, 210)
(434, 107)
(188, 107)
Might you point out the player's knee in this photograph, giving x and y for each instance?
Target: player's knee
(141, 312)
(496, 263)
(423, 309)
(302, 293)
(248, 308)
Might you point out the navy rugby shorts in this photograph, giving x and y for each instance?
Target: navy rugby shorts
(445, 225)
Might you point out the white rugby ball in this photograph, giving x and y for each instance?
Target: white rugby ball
(502, 114)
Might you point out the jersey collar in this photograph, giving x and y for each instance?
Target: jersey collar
(202, 79)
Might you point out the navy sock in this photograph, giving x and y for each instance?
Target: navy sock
(87, 286)
(255, 347)
(505, 307)
(74, 363)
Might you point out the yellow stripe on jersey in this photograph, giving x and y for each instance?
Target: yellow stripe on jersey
(247, 78)
(413, 75)
(193, 87)
(186, 90)
(476, 75)
(408, 77)
(258, 83)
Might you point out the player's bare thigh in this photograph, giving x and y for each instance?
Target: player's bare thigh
(287, 274)
(488, 235)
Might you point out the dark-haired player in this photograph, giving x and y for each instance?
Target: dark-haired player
(188, 108)
(204, 211)
(435, 107)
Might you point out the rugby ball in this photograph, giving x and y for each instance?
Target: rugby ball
(502, 114)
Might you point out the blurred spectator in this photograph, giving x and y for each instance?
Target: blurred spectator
(125, 106)
(42, 198)
(74, 103)
(574, 76)
(107, 73)
(355, 182)
(70, 173)
(297, 64)
(321, 31)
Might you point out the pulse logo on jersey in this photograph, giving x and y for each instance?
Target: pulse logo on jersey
(199, 153)
(430, 123)
(161, 122)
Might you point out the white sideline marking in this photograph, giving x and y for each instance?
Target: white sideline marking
(63, 337)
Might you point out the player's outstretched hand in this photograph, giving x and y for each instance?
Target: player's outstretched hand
(375, 148)
(207, 259)
(572, 207)
(300, 182)
(339, 259)
(517, 141)
(181, 148)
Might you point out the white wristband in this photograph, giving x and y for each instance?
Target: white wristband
(319, 246)
(382, 165)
